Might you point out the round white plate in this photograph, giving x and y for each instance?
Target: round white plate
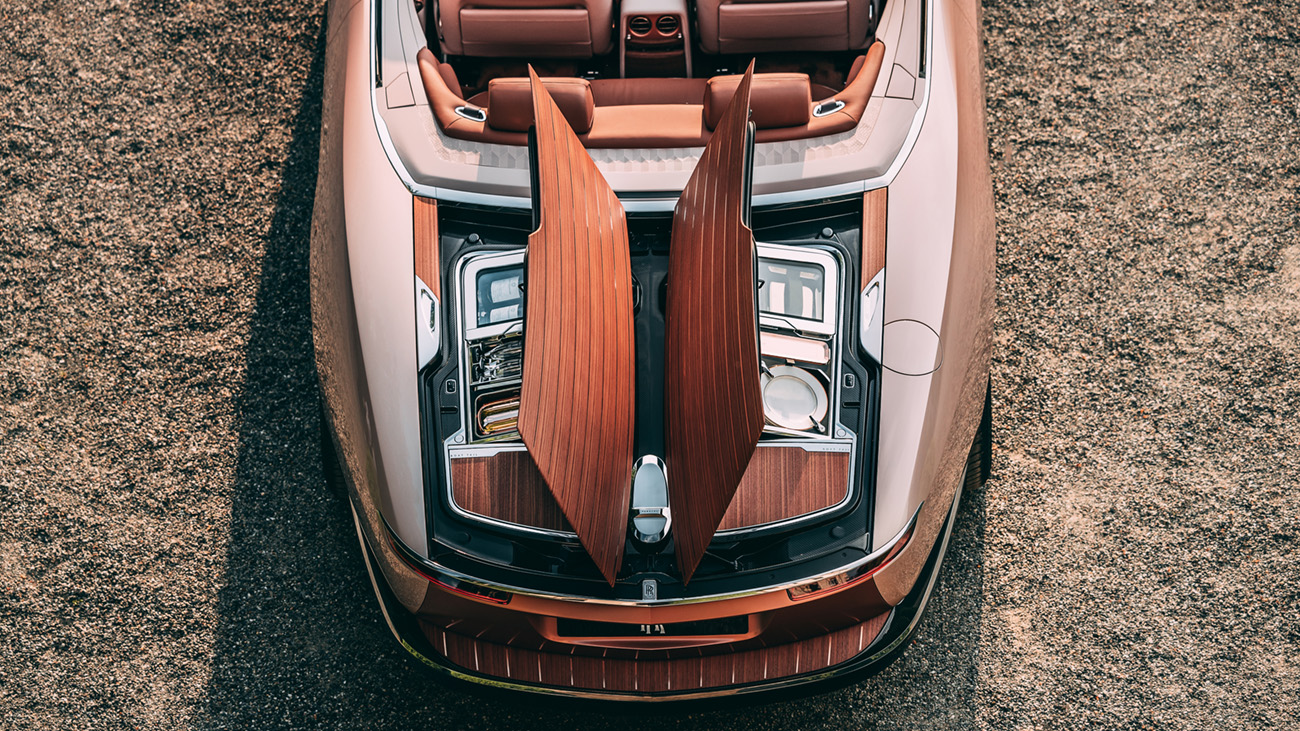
(793, 398)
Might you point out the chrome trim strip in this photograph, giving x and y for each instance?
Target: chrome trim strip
(473, 114)
(381, 128)
(828, 107)
(436, 569)
(468, 265)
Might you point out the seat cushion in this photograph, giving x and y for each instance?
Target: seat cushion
(763, 26)
(560, 32)
(526, 28)
(510, 103)
(622, 92)
(776, 100)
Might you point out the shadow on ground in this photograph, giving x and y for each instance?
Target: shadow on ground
(300, 642)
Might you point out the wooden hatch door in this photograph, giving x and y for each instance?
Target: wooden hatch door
(712, 399)
(576, 410)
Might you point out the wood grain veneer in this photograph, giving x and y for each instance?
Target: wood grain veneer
(712, 403)
(785, 482)
(426, 244)
(578, 397)
(506, 486)
(780, 483)
(875, 204)
(656, 675)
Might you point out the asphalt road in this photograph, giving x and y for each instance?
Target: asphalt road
(171, 558)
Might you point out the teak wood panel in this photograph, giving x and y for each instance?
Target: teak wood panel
(578, 397)
(875, 205)
(505, 486)
(785, 482)
(649, 676)
(780, 483)
(426, 244)
(712, 403)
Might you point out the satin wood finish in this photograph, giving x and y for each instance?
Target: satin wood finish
(426, 244)
(780, 483)
(578, 395)
(713, 405)
(875, 205)
(508, 487)
(786, 482)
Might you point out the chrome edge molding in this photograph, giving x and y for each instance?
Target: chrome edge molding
(460, 443)
(437, 570)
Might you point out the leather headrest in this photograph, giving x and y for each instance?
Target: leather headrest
(510, 103)
(776, 100)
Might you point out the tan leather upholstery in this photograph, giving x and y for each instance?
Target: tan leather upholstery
(647, 125)
(775, 100)
(526, 28)
(855, 68)
(757, 26)
(624, 92)
(510, 103)
(661, 120)
(449, 77)
(619, 92)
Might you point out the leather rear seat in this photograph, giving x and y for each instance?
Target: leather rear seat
(775, 100)
(627, 113)
(510, 103)
(526, 28)
(759, 26)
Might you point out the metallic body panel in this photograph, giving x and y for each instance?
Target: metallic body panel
(946, 282)
(362, 302)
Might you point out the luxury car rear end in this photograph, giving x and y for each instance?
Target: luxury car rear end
(532, 482)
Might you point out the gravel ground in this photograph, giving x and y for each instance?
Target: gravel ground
(171, 558)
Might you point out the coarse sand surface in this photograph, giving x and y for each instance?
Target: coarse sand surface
(170, 556)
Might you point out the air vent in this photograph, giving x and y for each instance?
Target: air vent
(639, 25)
(667, 24)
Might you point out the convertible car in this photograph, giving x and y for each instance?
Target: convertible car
(653, 335)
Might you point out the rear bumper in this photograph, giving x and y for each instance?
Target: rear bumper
(899, 626)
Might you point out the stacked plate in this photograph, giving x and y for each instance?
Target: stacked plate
(793, 398)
